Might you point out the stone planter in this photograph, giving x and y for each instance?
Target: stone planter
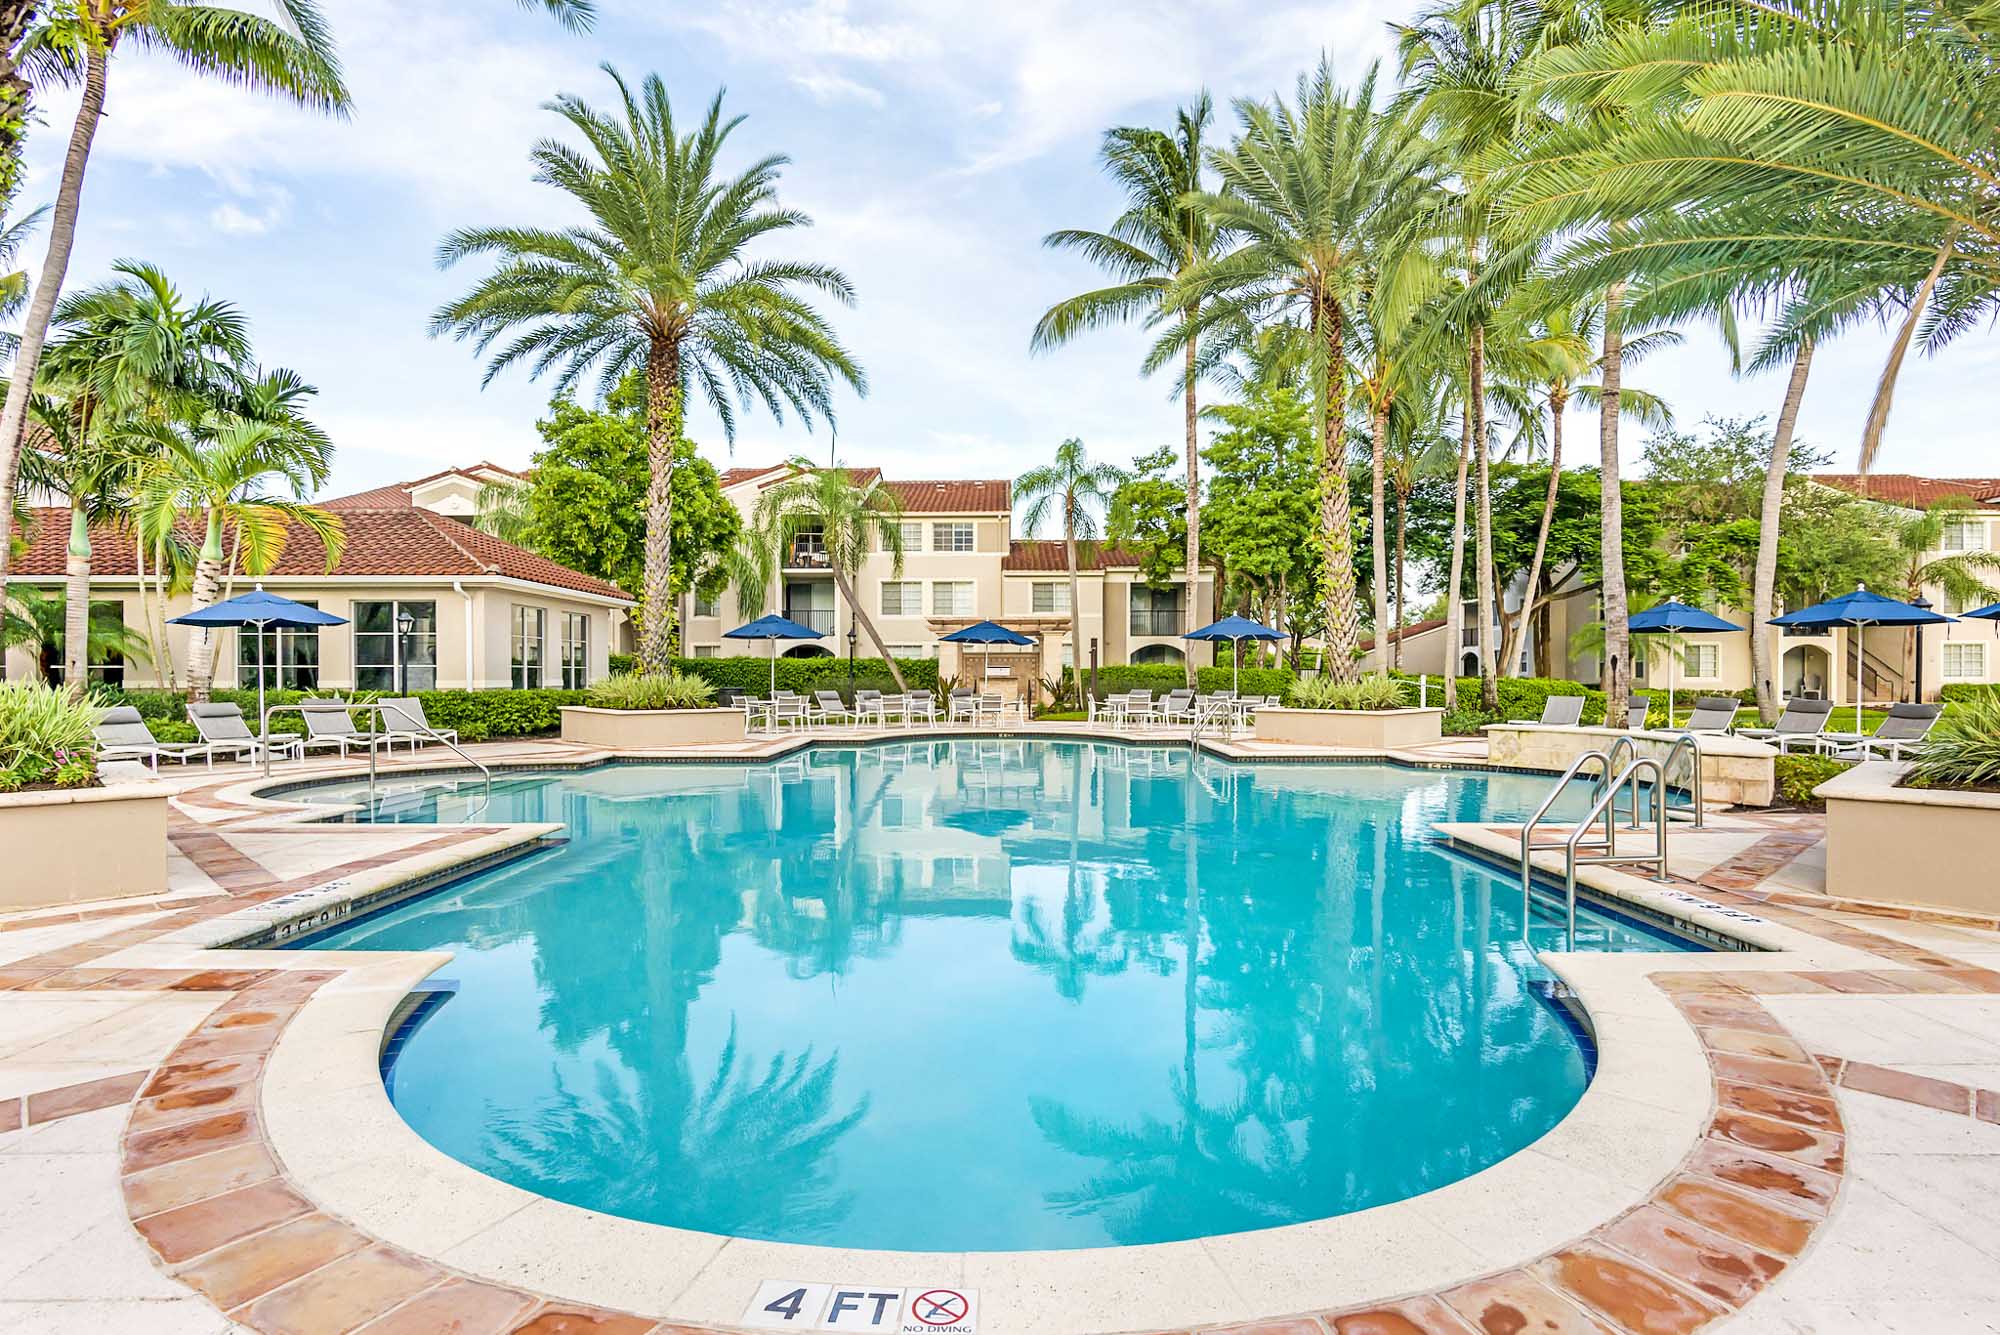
(1923, 846)
(650, 729)
(91, 843)
(1733, 770)
(1358, 729)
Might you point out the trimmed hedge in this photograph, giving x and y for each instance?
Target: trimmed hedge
(477, 715)
(1118, 678)
(804, 675)
(1253, 681)
(1521, 700)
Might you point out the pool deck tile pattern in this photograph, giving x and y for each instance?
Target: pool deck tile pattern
(1842, 1177)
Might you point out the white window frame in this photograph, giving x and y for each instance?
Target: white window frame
(1964, 535)
(913, 651)
(1058, 597)
(913, 535)
(947, 535)
(525, 673)
(574, 648)
(909, 598)
(710, 606)
(1698, 652)
(956, 609)
(1968, 663)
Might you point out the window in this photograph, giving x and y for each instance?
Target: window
(527, 646)
(705, 605)
(951, 598)
(902, 598)
(1156, 611)
(1703, 660)
(913, 535)
(395, 646)
(704, 651)
(575, 650)
(1155, 655)
(913, 651)
(1051, 598)
(951, 537)
(290, 657)
(1965, 662)
(1965, 535)
(808, 550)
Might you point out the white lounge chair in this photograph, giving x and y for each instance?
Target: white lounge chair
(221, 727)
(1906, 726)
(403, 717)
(1635, 713)
(1562, 711)
(122, 734)
(1712, 713)
(828, 707)
(1800, 725)
(330, 725)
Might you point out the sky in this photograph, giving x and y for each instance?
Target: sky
(933, 143)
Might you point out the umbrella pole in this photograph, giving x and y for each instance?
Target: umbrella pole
(774, 667)
(1673, 679)
(1860, 648)
(1236, 667)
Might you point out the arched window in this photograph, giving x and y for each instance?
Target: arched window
(1468, 666)
(809, 651)
(1156, 654)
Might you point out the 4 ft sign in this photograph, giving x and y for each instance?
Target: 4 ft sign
(788, 1305)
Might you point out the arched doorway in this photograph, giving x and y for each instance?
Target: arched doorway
(1807, 671)
(1157, 654)
(809, 651)
(1468, 664)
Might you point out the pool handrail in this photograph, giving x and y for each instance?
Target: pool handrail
(375, 720)
(1602, 806)
(1528, 844)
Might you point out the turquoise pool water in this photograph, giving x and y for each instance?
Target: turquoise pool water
(959, 995)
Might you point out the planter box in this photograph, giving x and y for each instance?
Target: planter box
(1735, 770)
(1910, 845)
(651, 729)
(1358, 729)
(91, 843)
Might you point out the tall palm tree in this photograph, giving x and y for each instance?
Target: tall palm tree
(1315, 194)
(662, 279)
(1419, 447)
(291, 56)
(1076, 489)
(851, 516)
(219, 468)
(75, 458)
(1159, 238)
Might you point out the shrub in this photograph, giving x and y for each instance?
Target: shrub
(623, 664)
(45, 734)
(1522, 698)
(1118, 678)
(1798, 775)
(660, 690)
(1963, 692)
(1251, 681)
(805, 675)
(1369, 693)
(1963, 748)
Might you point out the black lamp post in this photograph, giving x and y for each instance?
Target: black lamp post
(1924, 604)
(851, 637)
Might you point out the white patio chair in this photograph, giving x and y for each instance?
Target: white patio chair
(122, 734)
(403, 716)
(331, 725)
(221, 727)
(919, 707)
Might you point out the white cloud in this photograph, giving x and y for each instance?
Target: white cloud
(830, 88)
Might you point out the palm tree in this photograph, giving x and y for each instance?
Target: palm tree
(291, 56)
(851, 516)
(1316, 193)
(1968, 579)
(1159, 238)
(218, 467)
(39, 621)
(92, 474)
(1419, 447)
(660, 281)
(1077, 489)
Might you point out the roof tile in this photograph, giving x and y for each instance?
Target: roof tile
(1912, 490)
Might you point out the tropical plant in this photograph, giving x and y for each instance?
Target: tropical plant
(653, 690)
(42, 729)
(1163, 235)
(290, 55)
(1968, 578)
(38, 620)
(850, 516)
(1963, 747)
(1316, 194)
(1419, 447)
(661, 280)
(1074, 488)
(1376, 691)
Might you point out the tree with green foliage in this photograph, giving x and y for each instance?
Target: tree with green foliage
(1261, 520)
(1076, 489)
(662, 281)
(1148, 517)
(39, 622)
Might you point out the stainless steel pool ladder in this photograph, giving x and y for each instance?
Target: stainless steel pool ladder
(1577, 848)
(1623, 749)
(375, 730)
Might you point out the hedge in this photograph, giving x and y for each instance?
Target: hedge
(1961, 691)
(803, 675)
(1798, 775)
(477, 715)
(1118, 678)
(1252, 681)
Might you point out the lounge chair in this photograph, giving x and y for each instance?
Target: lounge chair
(1800, 725)
(1177, 706)
(1712, 713)
(919, 706)
(1635, 713)
(964, 704)
(828, 707)
(330, 724)
(1906, 726)
(1562, 711)
(403, 717)
(789, 708)
(122, 734)
(221, 727)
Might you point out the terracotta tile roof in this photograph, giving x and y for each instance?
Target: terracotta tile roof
(396, 495)
(985, 496)
(1414, 628)
(1037, 555)
(406, 542)
(1917, 492)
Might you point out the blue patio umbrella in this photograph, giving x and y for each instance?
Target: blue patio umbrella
(1990, 612)
(773, 628)
(265, 611)
(1857, 610)
(987, 633)
(1235, 629)
(1671, 618)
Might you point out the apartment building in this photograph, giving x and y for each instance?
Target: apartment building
(1893, 666)
(962, 564)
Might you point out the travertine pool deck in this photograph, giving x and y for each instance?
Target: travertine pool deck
(194, 1139)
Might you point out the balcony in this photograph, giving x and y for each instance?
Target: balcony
(812, 618)
(1158, 621)
(807, 552)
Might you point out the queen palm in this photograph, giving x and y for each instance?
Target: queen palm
(852, 516)
(662, 279)
(291, 55)
(1159, 238)
(1076, 489)
(1315, 194)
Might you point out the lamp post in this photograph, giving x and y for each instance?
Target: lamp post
(406, 624)
(1923, 604)
(851, 637)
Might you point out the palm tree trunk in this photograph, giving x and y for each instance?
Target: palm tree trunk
(1075, 607)
(1615, 674)
(1885, 389)
(846, 587)
(1192, 618)
(201, 646)
(1336, 519)
(41, 308)
(1402, 526)
(663, 433)
(1454, 602)
(1511, 647)
(171, 677)
(1489, 689)
(1378, 424)
(76, 600)
(1764, 588)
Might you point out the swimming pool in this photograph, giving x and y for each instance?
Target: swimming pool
(958, 995)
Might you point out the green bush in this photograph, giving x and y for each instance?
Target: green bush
(1798, 775)
(1963, 692)
(1251, 681)
(45, 735)
(1372, 692)
(661, 690)
(624, 664)
(805, 675)
(1522, 698)
(1963, 748)
(1118, 678)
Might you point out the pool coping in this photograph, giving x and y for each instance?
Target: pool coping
(1635, 1125)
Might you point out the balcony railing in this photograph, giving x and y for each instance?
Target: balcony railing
(804, 556)
(812, 618)
(1158, 621)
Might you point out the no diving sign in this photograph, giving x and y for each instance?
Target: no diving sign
(891, 1309)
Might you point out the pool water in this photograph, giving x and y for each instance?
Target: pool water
(985, 995)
